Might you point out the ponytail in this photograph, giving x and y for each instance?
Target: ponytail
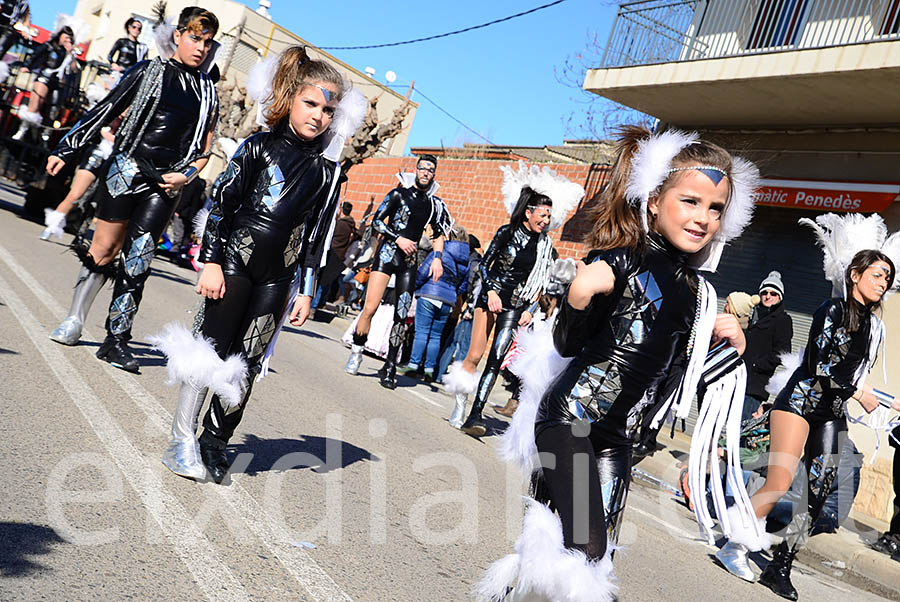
(617, 223)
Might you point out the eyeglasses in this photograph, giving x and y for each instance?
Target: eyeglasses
(769, 294)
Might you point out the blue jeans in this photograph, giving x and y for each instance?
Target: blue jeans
(430, 321)
(317, 299)
(457, 348)
(354, 288)
(751, 404)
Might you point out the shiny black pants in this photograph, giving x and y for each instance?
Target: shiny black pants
(820, 457)
(505, 327)
(152, 211)
(243, 321)
(586, 484)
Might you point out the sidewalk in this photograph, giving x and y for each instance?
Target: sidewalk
(846, 551)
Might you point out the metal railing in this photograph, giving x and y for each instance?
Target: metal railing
(660, 31)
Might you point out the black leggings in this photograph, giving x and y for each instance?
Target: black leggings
(586, 483)
(820, 457)
(504, 334)
(243, 321)
(151, 213)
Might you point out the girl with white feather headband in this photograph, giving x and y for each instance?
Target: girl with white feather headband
(272, 217)
(514, 272)
(808, 418)
(636, 312)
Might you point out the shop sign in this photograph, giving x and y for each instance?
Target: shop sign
(818, 195)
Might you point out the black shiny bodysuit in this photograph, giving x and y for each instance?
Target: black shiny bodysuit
(623, 344)
(129, 53)
(504, 269)
(818, 391)
(403, 212)
(44, 63)
(272, 210)
(128, 186)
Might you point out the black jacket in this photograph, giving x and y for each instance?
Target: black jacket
(768, 336)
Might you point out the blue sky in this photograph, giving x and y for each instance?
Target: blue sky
(498, 80)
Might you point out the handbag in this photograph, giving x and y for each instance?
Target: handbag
(362, 276)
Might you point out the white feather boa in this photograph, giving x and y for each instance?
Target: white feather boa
(194, 359)
(564, 193)
(537, 365)
(545, 569)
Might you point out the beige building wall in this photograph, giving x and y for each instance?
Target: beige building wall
(261, 37)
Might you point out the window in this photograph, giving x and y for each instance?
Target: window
(891, 23)
(777, 23)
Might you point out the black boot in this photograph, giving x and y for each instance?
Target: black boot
(116, 352)
(212, 452)
(387, 376)
(474, 424)
(777, 575)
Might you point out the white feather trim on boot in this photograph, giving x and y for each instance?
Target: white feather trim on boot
(194, 359)
(537, 364)
(458, 381)
(55, 221)
(30, 116)
(750, 532)
(543, 566)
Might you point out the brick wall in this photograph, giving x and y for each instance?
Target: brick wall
(471, 189)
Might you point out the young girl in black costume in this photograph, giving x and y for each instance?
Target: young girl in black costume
(48, 64)
(273, 212)
(514, 271)
(128, 51)
(636, 308)
(162, 144)
(808, 417)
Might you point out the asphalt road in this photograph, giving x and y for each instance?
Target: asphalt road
(342, 490)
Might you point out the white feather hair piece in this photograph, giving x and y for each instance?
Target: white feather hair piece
(843, 236)
(79, 27)
(564, 193)
(163, 36)
(350, 113)
(744, 183)
(650, 166)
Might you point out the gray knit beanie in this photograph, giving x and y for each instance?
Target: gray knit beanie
(773, 282)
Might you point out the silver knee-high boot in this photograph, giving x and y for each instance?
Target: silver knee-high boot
(459, 412)
(183, 454)
(89, 284)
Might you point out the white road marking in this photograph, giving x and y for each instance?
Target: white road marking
(274, 536)
(195, 551)
(423, 398)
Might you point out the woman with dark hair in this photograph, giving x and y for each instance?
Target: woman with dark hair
(514, 271)
(128, 51)
(48, 64)
(808, 417)
(636, 308)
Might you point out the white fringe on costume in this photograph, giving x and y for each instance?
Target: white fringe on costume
(458, 381)
(543, 567)
(55, 221)
(537, 364)
(194, 359)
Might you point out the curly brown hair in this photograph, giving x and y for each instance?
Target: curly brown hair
(296, 70)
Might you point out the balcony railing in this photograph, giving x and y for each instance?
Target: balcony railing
(661, 31)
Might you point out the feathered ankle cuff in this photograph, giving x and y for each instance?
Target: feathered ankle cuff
(543, 567)
(193, 359)
(748, 531)
(458, 381)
